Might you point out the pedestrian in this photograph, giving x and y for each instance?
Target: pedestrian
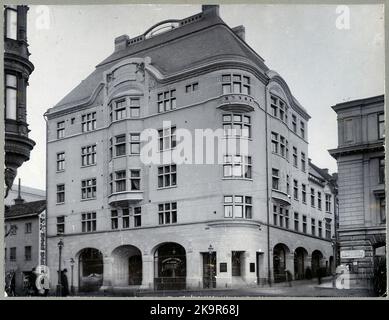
(12, 285)
(319, 275)
(64, 283)
(33, 290)
(289, 277)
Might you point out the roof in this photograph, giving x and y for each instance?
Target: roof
(176, 50)
(359, 102)
(25, 209)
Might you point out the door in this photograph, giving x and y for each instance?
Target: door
(209, 270)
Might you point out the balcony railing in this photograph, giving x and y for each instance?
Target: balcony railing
(236, 102)
(125, 197)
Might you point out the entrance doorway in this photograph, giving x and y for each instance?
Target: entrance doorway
(300, 255)
(236, 263)
(127, 266)
(279, 262)
(317, 256)
(91, 268)
(209, 270)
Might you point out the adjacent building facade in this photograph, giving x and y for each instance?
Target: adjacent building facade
(127, 223)
(27, 193)
(361, 166)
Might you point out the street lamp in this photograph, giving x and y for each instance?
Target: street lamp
(59, 285)
(210, 252)
(72, 267)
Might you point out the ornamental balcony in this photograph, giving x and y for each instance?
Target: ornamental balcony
(236, 102)
(125, 198)
(282, 198)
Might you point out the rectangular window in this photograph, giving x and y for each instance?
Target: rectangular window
(381, 126)
(167, 176)
(238, 207)
(192, 87)
(134, 107)
(60, 225)
(88, 189)
(304, 193)
(110, 183)
(120, 181)
(382, 210)
(320, 229)
(167, 138)
(60, 129)
(319, 200)
(114, 220)
(60, 161)
(88, 122)
(88, 155)
(312, 197)
(294, 123)
(135, 143)
(295, 156)
(27, 253)
(328, 230)
(235, 84)
(286, 215)
(237, 125)
(11, 96)
(110, 148)
(278, 108)
(167, 100)
(137, 217)
(302, 129)
(381, 170)
(287, 185)
(295, 190)
(282, 146)
(274, 142)
(28, 227)
(11, 22)
(313, 227)
(120, 145)
(120, 109)
(60, 193)
(296, 221)
(126, 218)
(275, 179)
(88, 222)
(167, 213)
(12, 254)
(304, 224)
(235, 166)
(328, 203)
(135, 180)
(303, 162)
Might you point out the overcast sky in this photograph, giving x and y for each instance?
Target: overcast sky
(323, 65)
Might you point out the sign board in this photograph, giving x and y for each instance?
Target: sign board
(352, 254)
(42, 238)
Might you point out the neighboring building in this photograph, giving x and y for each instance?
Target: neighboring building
(25, 244)
(27, 193)
(127, 223)
(17, 69)
(361, 167)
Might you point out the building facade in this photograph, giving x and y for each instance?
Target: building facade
(361, 165)
(244, 220)
(27, 193)
(17, 70)
(25, 244)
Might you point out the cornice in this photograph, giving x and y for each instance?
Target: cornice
(355, 149)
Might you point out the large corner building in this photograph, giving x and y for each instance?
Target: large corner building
(243, 222)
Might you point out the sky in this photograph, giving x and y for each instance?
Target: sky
(322, 63)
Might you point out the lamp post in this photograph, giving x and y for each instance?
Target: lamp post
(334, 245)
(71, 283)
(210, 252)
(59, 285)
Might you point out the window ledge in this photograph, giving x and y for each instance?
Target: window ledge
(237, 178)
(89, 199)
(59, 171)
(89, 165)
(169, 187)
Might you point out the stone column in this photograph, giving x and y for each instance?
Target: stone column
(193, 270)
(147, 272)
(107, 273)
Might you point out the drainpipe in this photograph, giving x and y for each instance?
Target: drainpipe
(267, 195)
(46, 191)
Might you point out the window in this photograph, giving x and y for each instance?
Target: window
(167, 138)
(294, 123)
(167, 100)
(295, 190)
(328, 203)
(320, 229)
(60, 129)
(382, 210)
(282, 146)
(27, 253)
(278, 108)
(88, 122)
(167, 176)
(12, 254)
(237, 207)
(281, 217)
(237, 166)
(135, 180)
(192, 87)
(126, 218)
(275, 179)
(88, 155)
(312, 197)
(303, 167)
(167, 213)
(381, 126)
(328, 230)
(274, 142)
(11, 90)
(72, 120)
(134, 107)
(12, 230)
(304, 224)
(110, 148)
(120, 109)
(60, 193)
(287, 185)
(295, 156)
(88, 189)
(61, 225)
(313, 227)
(114, 220)
(134, 143)
(27, 227)
(237, 125)
(110, 183)
(381, 170)
(120, 145)
(61, 161)
(319, 200)
(304, 193)
(137, 217)
(302, 129)
(88, 222)
(11, 22)
(296, 221)
(120, 181)
(235, 84)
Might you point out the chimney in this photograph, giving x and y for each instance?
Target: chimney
(240, 32)
(121, 42)
(19, 199)
(210, 10)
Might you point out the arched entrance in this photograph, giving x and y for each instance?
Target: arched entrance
(317, 256)
(127, 266)
(300, 258)
(90, 270)
(279, 262)
(170, 267)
